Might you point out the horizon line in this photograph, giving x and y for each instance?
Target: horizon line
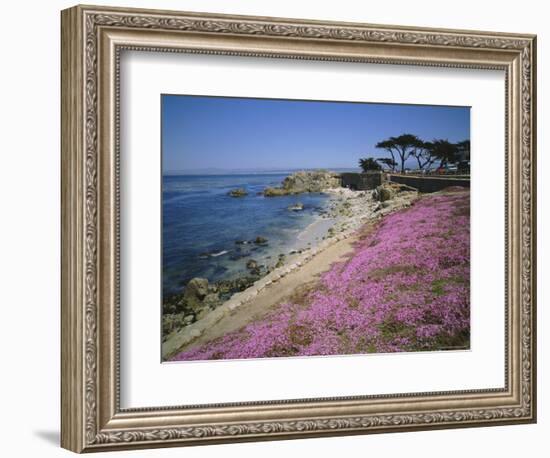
(214, 170)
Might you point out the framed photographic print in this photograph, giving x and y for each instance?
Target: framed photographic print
(278, 228)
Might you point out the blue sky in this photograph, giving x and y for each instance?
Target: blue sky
(227, 134)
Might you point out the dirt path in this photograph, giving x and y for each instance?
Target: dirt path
(295, 282)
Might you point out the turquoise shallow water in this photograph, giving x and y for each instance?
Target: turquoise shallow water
(201, 224)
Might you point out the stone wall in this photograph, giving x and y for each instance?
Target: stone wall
(362, 181)
(428, 183)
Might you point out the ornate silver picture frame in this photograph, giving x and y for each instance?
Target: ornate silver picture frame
(93, 39)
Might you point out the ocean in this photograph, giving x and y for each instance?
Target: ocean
(201, 226)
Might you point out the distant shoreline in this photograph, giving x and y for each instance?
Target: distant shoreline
(254, 172)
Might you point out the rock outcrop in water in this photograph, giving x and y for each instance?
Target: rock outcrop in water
(311, 181)
(296, 207)
(239, 192)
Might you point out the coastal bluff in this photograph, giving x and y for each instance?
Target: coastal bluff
(306, 181)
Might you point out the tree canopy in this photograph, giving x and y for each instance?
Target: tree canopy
(369, 164)
(426, 153)
(388, 162)
(445, 151)
(403, 146)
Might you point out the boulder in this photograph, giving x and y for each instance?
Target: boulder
(383, 193)
(389, 190)
(260, 240)
(255, 270)
(172, 322)
(188, 319)
(296, 207)
(228, 287)
(280, 261)
(211, 300)
(239, 192)
(274, 192)
(173, 304)
(195, 291)
(212, 288)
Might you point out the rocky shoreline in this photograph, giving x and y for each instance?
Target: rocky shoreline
(300, 182)
(203, 303)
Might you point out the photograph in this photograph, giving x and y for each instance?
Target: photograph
(302, 228)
